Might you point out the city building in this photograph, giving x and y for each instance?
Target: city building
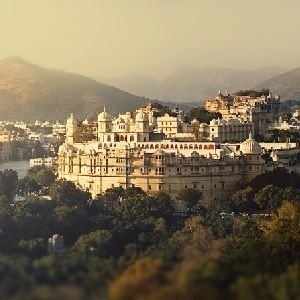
(258, 107)
(56, 244)
(43, 161)
(222, 131)
(123, 154)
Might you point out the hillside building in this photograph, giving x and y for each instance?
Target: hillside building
(260, 108)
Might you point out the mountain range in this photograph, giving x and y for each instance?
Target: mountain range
(190, 84)
(287, 85)
(28, 91)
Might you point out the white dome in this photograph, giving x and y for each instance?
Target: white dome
(195, 121)
(250, 146)
(213, 122)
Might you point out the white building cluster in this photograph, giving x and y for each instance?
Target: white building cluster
(133, 150)
(260, 109)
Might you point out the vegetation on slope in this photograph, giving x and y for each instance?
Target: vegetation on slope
(128, 245)
(28, 91)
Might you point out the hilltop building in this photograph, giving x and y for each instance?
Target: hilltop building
(126, 151)
(261, 108)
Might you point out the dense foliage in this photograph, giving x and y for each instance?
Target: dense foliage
(126, 244)
(202, 115)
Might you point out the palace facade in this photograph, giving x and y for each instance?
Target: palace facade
(126, 151)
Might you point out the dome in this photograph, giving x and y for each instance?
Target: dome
(203, 125)
(250, 146)
(141, 116)
(104, 116)
(213, 122)
(195, 121)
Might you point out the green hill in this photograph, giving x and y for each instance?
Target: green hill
(28, 91)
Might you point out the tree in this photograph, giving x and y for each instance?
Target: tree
(67, 193)
(35, 247)
(42, 175)
(202, 115)
(142, 278)
(99, 241)
(190, 197)
(8, 183)
(27, 185)
(291, 179)
(268, 197)
(84, 133)
(242, 199)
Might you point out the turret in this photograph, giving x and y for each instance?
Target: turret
(104, 123)
(71, 128)
(142, 126)
(253, 163)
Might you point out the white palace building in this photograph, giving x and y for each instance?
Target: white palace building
(125, 151)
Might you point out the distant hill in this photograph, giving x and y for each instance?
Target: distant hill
(287, 85)
(189, 84)
(28, 91)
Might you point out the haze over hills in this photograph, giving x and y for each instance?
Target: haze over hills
(287, 85)
(191, 84)
(28, 91)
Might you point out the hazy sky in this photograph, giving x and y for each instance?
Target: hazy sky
(115, 37)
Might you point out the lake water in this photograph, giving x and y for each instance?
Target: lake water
(20, 166)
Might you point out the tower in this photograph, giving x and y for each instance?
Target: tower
(104, 124)
(71, 128)
(142, 126)
(253, 163)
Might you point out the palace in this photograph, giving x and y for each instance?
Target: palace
(260, 108)
(129, 151)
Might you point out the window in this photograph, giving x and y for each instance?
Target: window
(195, 186)
(160, 187)
(149, 187)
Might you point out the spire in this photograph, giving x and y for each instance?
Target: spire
(104, 110)
(250, 135)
